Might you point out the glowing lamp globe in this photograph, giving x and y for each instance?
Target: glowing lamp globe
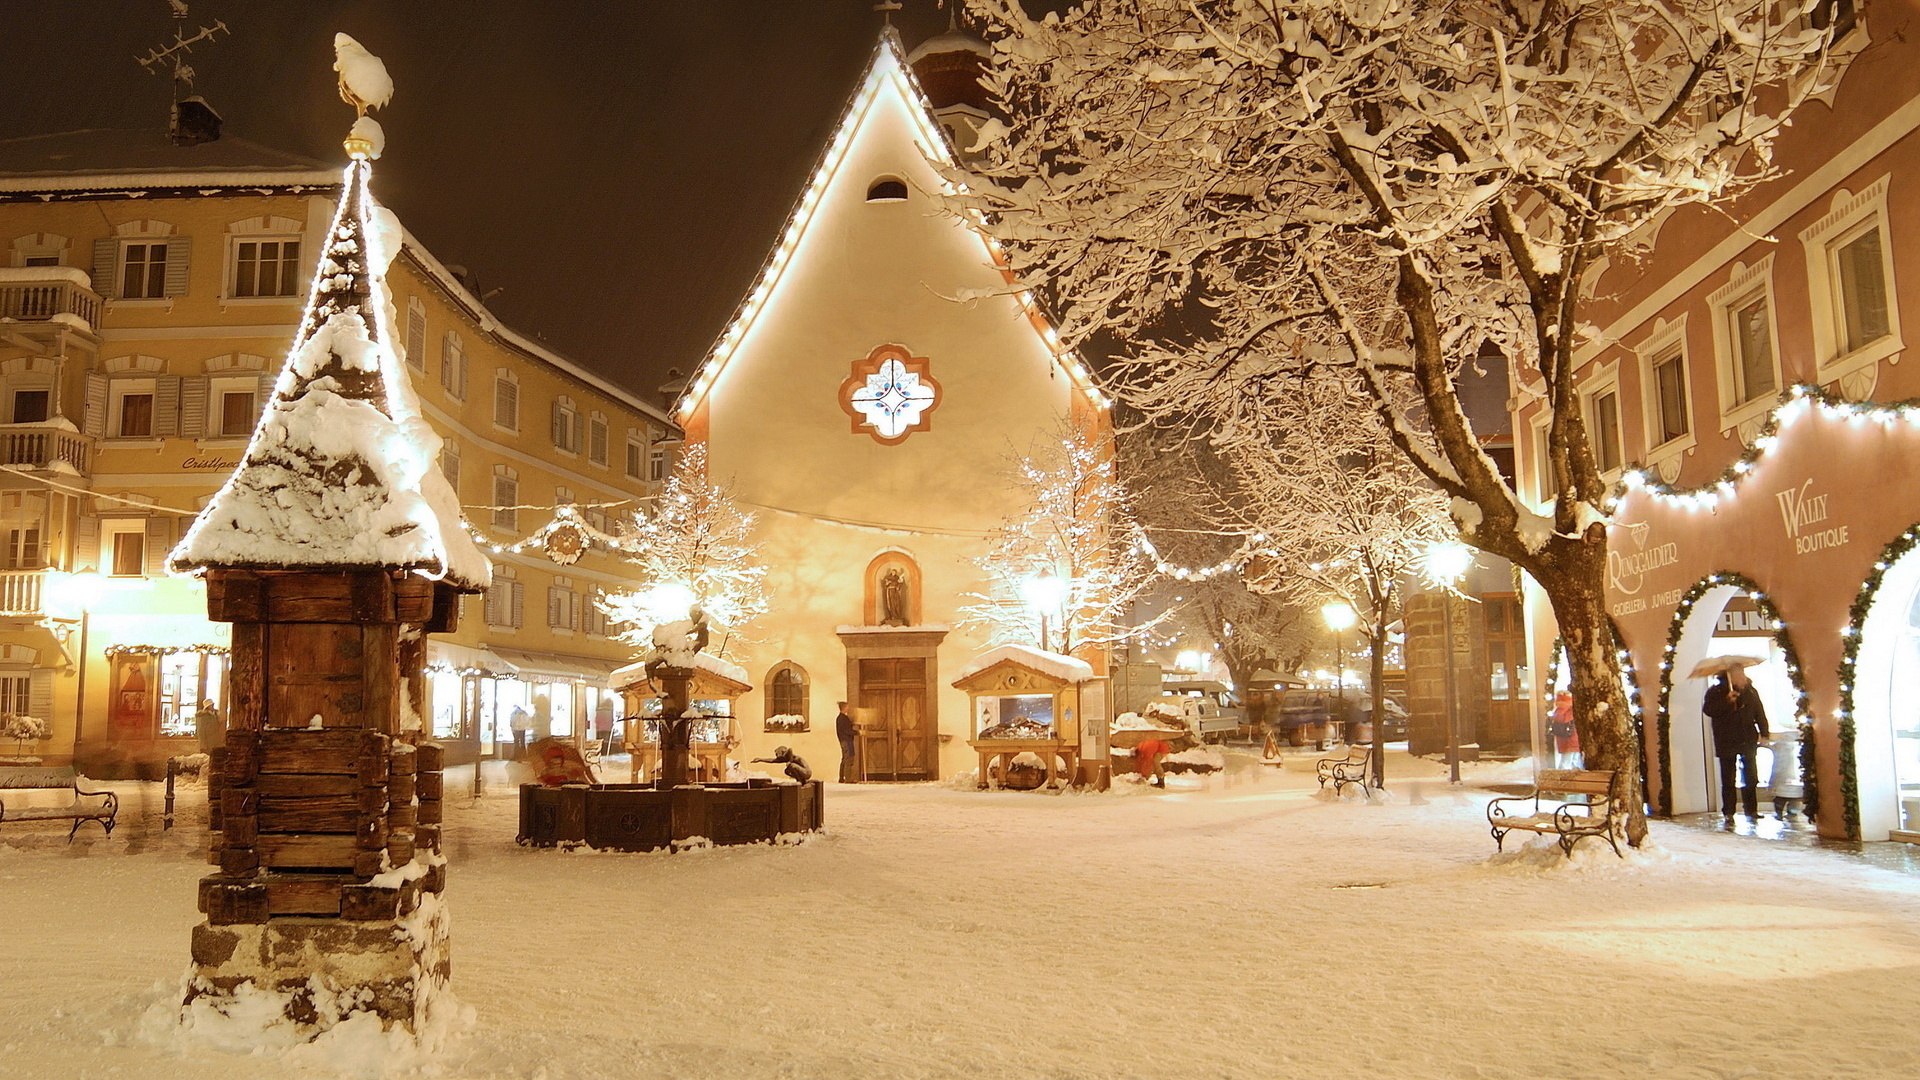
(1339, 615)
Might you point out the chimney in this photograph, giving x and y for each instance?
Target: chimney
(194, 122)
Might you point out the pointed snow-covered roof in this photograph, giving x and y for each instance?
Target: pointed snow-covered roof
(341, 472)
(887, 73)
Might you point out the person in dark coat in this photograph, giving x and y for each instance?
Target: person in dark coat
(1739, 726)
(843, 727)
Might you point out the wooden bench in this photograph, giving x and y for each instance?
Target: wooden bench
(100, 806)
(1351, 769)
(1553, 810)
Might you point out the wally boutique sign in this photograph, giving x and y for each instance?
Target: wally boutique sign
(1804, 515)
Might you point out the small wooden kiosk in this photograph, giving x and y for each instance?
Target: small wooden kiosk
(1024, 701)
(716, 685)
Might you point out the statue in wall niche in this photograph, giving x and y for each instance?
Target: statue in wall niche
(893, 598)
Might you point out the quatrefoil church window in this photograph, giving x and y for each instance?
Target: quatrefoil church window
(890, 394)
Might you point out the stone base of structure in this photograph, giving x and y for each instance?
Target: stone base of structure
(327, 970)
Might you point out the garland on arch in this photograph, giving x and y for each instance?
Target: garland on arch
(1900, 547)
(1781, 638)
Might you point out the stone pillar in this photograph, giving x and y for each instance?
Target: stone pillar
(676, 732)
(329, 866)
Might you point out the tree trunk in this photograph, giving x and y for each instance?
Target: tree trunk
(1376, 689)
(1573, 582)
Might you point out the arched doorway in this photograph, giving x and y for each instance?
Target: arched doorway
(1879, 716)
(1726, 614)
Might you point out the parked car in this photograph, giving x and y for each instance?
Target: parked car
(1209, 708)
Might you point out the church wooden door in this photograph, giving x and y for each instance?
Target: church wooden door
(896, 743)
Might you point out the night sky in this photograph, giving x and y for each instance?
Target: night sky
(618, 169)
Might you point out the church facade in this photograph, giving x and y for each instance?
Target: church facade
(869, 402)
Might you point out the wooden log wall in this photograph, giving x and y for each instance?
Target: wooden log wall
(320, 788)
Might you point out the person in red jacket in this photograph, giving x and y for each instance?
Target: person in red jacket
(1147, 757)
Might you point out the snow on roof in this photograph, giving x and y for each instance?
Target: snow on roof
(95, 158)
(1060, 666)
(342, 470)
(952, 41)
(637, 671)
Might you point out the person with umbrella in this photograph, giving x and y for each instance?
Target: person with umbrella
(1739, 726)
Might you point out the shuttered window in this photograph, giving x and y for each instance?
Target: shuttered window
(16, 695)
(506, 496)
(597, 440)
(143, 271)
(417, 334)
(136, 416)
(453, 365)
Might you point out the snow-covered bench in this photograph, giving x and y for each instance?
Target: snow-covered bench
(100, 806)
(1351, 769)
(1554, 811)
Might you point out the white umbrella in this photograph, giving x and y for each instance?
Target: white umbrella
(1714, 665)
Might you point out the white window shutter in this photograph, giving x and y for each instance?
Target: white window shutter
(193, 408)
(265, 395)
(96, 418)
(40, 693)
(86, 544)
(179, 254)
(106, 268)
(519, 604)
(559, 425)
(166, 406)
(555, 607)
(416, 335)
(159, 543)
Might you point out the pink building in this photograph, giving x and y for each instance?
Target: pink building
(1747, 390)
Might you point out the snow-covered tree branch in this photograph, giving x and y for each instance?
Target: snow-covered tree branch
(1247, 192)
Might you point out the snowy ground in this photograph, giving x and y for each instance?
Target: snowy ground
(1251, 930)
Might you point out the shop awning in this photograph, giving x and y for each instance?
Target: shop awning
(558, 667)
(466, 658)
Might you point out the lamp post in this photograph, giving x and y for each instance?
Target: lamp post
(1044, 593)
(1339, 615)
(1446, 564)
(75, 593)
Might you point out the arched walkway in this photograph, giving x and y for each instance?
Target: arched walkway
(1879, 713)
(1752, 627)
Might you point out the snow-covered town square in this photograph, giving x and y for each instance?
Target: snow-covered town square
(934, 538)
(1244, 929)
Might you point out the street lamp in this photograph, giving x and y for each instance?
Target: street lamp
(1043, 593)
(1339, 615)
(72, 596)
(1447, 563)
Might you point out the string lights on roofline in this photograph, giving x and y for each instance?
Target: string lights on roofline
(934, 144)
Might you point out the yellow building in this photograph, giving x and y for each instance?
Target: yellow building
(148, 296)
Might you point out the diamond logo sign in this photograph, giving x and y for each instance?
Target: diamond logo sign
(890, 394)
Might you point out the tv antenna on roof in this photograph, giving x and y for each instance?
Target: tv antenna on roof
(181, 46)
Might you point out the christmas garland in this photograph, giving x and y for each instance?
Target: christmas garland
(1780, 637)
(1801, 398)
(1901, 546)
(1809, 773)
(116, 651)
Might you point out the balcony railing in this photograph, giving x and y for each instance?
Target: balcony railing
(30, 300)
(39, 446)
(20, 591)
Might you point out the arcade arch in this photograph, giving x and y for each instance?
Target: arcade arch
(1879, 717)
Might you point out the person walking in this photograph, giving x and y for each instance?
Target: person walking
(520, 721)
(1566, 735)
(843, 727)
(209, 726)
(1739, 726)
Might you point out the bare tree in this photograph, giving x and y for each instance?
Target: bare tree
(1246, 190)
